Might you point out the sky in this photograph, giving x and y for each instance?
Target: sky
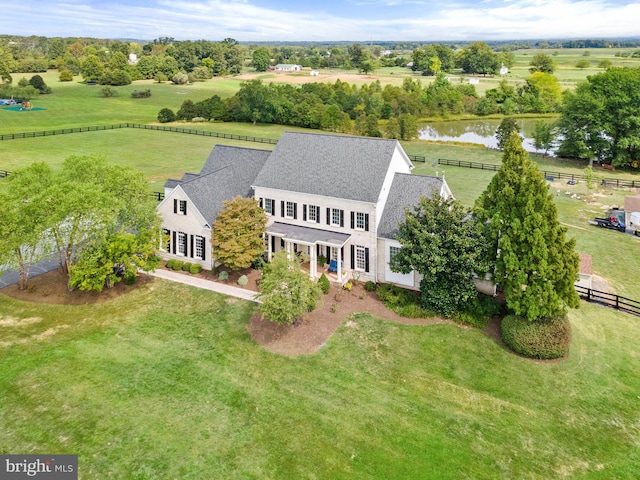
(323, 20)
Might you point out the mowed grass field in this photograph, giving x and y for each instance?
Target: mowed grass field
(166, 382)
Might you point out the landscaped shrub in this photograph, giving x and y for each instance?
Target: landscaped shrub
(546, 338)
(243, 280)
(223, 276)
(324, 283)
(370, 286)
(177, 265)
(129, 279)
(170, 263)
(348, 286)
(195, 268)
(404, 302)
(186, 266)
(258, 263)
(479, 311)
(180, 78)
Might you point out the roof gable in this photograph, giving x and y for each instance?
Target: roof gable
(228, 172)
(405, 192)
(329, 165)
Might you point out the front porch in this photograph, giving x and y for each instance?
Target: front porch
(312, 243)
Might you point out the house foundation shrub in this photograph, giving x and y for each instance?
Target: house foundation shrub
(545, 338)
(195, 268)
(223, 276)
(324, 283)
(186, 266)
(370, 286)
(404, 302)
(243, 280)
(170, 263)
(177, 265)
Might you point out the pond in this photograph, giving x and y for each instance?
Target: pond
(477, 131)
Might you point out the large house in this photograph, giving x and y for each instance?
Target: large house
(337, 197)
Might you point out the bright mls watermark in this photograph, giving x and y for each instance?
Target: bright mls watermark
(49, 467)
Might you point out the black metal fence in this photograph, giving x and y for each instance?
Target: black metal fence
(612, 182)
(609, 300)
(161, 128)
(417, 158)
(4, 173)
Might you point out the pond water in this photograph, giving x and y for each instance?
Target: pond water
(477, 131)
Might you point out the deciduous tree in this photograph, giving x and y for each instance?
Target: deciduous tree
(261, 59)
(286, 292)
(535, 264)
(442, 242)
(238, 231)
(542, 62)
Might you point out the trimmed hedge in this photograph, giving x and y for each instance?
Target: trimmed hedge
(195, 268)
(177, 265)
(545, 338)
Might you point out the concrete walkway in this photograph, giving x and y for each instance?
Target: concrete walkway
(206, 284)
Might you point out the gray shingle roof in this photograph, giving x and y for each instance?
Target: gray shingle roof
(405, 192)
(172, 182)
(330, 165)
(228, 172)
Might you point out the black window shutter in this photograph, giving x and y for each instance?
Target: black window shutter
(342, 218)
(317, 214)
(304, 212)
(353, 257)
(328, 216)
(282, 208)
(261, 203)
(317, 250)
(295, 211)
(174, 243)
(273, 206)
(185, 207)
(175, 205)
(191, 246)
(282, 242)
(352, 220)
(203, 242)
(366, 259)
(366, 222)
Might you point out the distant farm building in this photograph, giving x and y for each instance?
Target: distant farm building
(288, 67)
(314, 73)
(503, 70)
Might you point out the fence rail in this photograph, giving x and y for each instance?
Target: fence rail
(4, 173)
(417, 158)
(612, 300)
(548, 174)
(161, 128)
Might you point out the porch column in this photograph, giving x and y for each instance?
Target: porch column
(339, 265)
(269, 252)
(313, 262)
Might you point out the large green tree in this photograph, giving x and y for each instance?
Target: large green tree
(286, 292)
(479, 58)
(261, 59)
(238, 231)
(601, 118)
(507, 126)
(25, 220)
(442, 242)
(542, 62)
(535, 264)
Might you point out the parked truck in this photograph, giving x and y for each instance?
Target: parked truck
(614, 220)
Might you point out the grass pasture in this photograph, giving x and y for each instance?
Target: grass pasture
(165, 382)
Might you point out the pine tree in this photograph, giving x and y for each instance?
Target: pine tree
(535, 264)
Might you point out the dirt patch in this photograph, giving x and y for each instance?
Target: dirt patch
(306, 77)
(52, 288)
(316, 327)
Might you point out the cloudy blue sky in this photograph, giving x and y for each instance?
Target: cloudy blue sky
(355, 20)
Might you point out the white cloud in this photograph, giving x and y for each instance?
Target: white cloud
(217, 19)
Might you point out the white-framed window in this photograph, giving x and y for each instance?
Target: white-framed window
(182, 243)
(182, 207)
(199, 247)
(290, 210)
(393, 251)
(361, 258)
(268, 205)
(360, 221)
(312, 213)
(335, 216)
(334, 253)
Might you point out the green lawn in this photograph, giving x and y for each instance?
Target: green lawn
(166, 382)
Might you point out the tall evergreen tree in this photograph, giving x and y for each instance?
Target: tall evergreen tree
(535, 264)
